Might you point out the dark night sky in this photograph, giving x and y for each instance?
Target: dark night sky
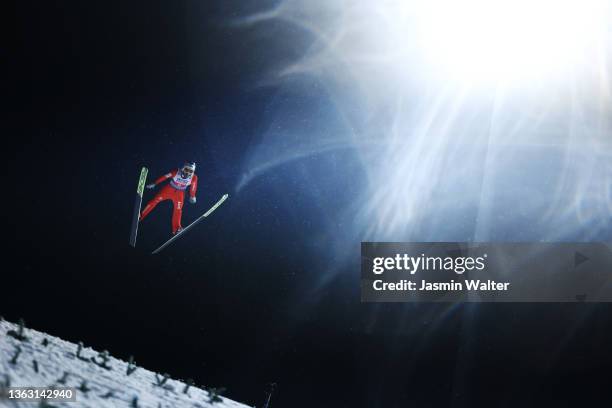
(97, 90)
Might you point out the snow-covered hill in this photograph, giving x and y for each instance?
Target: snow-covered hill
(29, 358)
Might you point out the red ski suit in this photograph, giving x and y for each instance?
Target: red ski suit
(175, 191)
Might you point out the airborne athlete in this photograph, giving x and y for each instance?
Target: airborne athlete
(181, 179)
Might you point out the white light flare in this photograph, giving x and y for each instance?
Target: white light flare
(474, 119)
(507, 40)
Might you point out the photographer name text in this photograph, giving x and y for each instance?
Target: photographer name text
(425, 286)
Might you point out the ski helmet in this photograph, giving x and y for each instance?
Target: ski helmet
(188, 168)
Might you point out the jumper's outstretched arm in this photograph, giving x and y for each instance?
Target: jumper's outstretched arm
(162, 179)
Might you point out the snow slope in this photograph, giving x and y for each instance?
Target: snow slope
(45, 361)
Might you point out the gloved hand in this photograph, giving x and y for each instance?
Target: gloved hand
(151, 186)
(192, 200)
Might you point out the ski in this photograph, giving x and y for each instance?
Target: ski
(200, 218)
(137, 203)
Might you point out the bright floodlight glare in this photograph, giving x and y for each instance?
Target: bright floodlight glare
(505, 40)
(448, 120)
(435, 120)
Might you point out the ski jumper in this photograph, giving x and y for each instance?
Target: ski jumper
(175, 191)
